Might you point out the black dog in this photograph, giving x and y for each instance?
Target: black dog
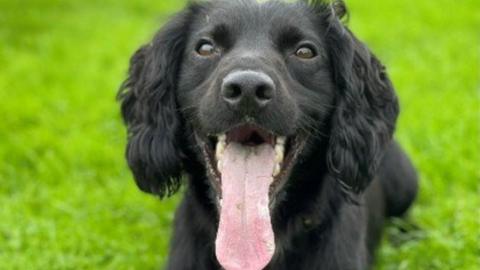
(281, 121)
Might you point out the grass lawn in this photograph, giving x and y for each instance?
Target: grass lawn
(69, 202)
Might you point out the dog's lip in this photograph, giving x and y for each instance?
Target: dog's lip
(293, 146)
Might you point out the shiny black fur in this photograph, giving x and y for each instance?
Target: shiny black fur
(346, 180)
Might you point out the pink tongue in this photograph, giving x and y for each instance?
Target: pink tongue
(245, 239)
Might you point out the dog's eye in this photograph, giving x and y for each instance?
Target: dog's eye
(205, 48)
(305, 53)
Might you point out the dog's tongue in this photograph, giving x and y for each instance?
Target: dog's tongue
(245, 239)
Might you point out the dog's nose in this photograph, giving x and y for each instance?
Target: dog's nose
(247, 89)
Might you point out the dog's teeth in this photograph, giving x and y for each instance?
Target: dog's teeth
(276, 171)
(222, 137)
(281, 140)
(219, 165)
(279, 153)
(219, 151)
(278, 158)
(221, 144)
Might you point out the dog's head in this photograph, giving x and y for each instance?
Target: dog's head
(245, 90)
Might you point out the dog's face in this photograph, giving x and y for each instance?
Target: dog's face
(255, 75)
(239, 94)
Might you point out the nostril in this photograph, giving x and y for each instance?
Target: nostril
(247, 89)
(264, 93)
(232, 91)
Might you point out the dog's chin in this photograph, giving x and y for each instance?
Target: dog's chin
(250, 138)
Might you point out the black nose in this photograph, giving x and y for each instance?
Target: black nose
(248, 89)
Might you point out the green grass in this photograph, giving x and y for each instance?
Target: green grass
(68, 201)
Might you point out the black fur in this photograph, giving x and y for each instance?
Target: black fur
(366, 112)
(347, 178)
(150, 111)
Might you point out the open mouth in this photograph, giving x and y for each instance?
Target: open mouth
(252, 138)
(247, 166)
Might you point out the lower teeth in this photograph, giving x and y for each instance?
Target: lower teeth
(276, 170)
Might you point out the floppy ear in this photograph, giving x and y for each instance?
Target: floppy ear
(366, 110)
(149, 109)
